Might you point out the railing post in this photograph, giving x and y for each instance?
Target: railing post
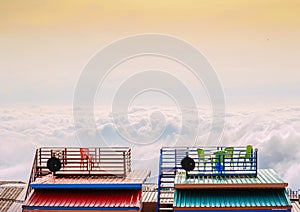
(255, 155)
(187, 152)
(99, 156)
(129, 160)
(124, 164)
(65, 157)
(33, 173)
(40, 156)
(159, 180)
(175, 159)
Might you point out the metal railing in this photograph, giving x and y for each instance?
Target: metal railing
(33, 174)
(166, 179)
(215, 161)
(104, 161)
(293, 195)
(115, 161)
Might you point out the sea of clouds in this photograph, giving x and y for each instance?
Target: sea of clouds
(275, 131)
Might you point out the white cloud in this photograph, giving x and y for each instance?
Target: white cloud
(275, 132)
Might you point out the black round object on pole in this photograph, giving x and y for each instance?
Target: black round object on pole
(188, 164)
(54, 164)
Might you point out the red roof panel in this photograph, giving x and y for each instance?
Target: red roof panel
(63, 199)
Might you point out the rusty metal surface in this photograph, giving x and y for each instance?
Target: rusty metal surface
(134, 177)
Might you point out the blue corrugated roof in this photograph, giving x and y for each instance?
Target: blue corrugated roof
(231, 198)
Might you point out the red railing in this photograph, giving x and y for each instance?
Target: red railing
(104, 161)
(87, 161)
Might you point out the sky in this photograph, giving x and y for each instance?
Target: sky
(253, 46)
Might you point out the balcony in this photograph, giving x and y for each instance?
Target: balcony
(212, 161)
(113, 161)
(111, 164)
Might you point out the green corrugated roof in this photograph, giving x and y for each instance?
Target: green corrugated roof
(231, 198)
(264, 176)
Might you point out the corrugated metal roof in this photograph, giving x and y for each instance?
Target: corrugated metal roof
(295, 207)
(265, 178)
(84, 199)
(133, 180)
(149, 196)
(232, 198)
(11, 195)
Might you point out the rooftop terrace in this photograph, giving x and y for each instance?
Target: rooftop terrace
(104, 161)
(183, 167)
(212, 161)
(113, 162)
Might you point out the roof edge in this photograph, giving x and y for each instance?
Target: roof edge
(78, 208)
(237, 186)
(134, 186)
(235, 208)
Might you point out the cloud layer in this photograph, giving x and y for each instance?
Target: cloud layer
(274, 131)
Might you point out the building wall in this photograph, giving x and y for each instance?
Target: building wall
(149, 207)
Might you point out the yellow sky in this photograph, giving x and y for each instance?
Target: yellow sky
(248, 42)
(137, 14)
